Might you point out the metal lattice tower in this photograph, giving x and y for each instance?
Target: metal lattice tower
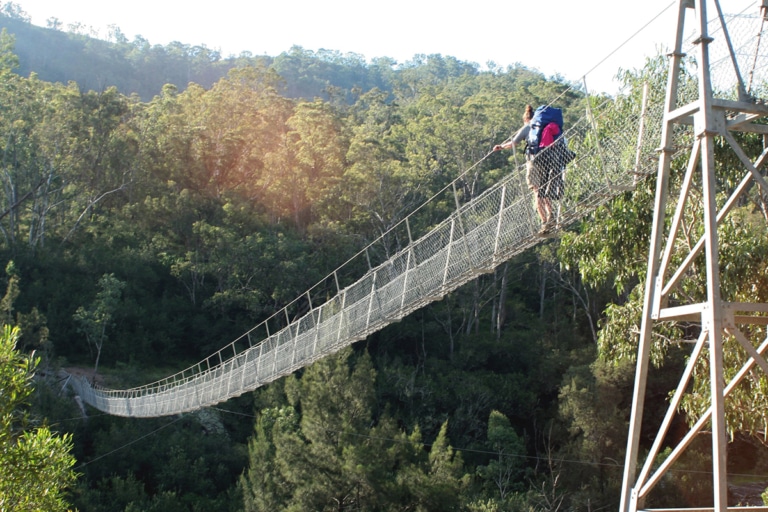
(722, 103)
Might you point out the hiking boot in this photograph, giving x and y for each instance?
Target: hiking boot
(547, 227)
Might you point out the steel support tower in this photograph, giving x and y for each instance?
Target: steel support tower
(712, 119)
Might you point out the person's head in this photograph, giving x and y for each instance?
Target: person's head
(528, 114)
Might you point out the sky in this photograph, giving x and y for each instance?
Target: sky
(590, 40)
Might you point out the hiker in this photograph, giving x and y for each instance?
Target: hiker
(544, 168)
(521, 134)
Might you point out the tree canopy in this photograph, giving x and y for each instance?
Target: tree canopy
(157, 214)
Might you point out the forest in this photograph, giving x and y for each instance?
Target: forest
(144, 225)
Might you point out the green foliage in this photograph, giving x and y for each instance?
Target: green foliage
(214, 197)
(188, 463)
(311, 75)
(593, 402)
(687, 485)
(324, 450)
(33, 323)
(506, 469)
(8, 60)
(97, 319)
(35, 463)
(11, 294)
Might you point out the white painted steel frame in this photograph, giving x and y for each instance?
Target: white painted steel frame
(716, 317)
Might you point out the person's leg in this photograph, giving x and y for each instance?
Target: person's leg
(544, 208)
(538, 183)
(547, 203)
(540, 206)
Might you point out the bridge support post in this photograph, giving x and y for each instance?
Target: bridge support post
(711, 118)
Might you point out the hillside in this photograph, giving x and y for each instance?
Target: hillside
(138, 67)
(133, 67)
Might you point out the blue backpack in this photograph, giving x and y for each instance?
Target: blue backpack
(541, 118)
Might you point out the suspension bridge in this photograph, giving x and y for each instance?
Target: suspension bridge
(618, 143)
(473, 239)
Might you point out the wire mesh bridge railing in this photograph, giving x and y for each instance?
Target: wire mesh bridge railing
(615, 144)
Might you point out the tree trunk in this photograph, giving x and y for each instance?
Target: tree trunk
(542, 289)
(501, 311)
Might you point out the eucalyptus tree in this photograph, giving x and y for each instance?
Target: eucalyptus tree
(99, 162)
(304, 171)
(22, 167)
(64, 153)
(213, 143)
(206, 153)
(95, 321)
(378, 188)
